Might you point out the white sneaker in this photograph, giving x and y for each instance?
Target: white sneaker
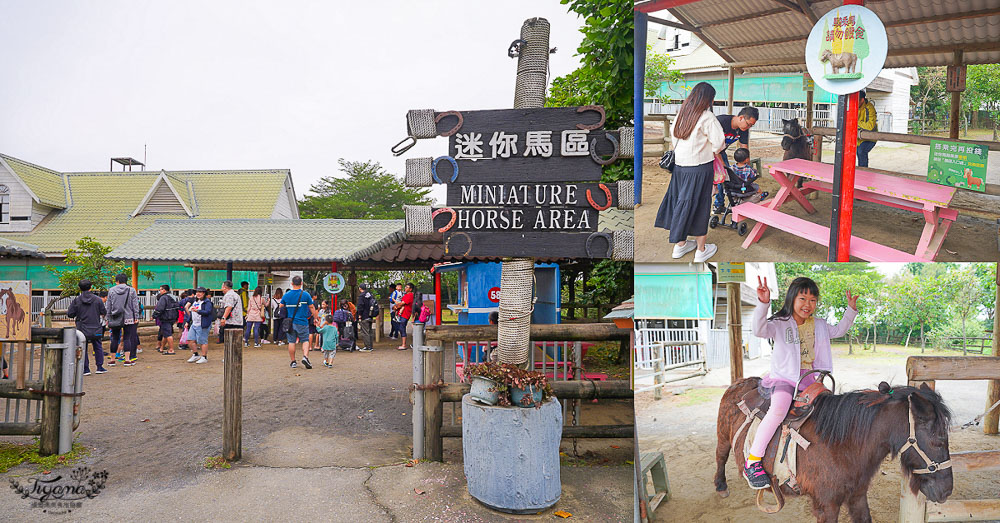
(701, 256)
(193, 358)
(202, 360)
(681, 250)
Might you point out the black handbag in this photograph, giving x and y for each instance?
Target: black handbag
(667, 161)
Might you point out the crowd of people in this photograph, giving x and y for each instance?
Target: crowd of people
(294, 314)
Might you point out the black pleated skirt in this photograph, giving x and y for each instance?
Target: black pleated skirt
(688, 203)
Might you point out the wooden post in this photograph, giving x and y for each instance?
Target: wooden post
(135, 275)
(956, 102)
(732, 83)
(232, 397)
(992, 420)
(194, 283)
(912, 507)
(809, 109)
(48, 443)
(433, 374)
(21, 363)
(734, 309)
(352, 283)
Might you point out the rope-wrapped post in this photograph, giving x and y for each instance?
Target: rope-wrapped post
(418, 172)
(532, 64)
(624, 245)
(626, 142)
(420, 123)
(626, 194)
(517, 274)
(419, 221)
(517, 277)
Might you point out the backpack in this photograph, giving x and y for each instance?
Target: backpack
(376, 311)
(425, 313)
(170, 312)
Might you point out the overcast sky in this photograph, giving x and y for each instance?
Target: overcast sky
(252, 85)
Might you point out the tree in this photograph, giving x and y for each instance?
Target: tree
(658, 71)
(986, 273)
(89, 256)
(929, 94)
(966, 296)
(368, 192)
(982, 89)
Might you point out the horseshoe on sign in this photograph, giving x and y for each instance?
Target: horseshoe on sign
(607, 195)
(455, 129)
(597, 109)
(606, 236)
(593, 150)
(454, 215)
(454, 168)
(447, 243)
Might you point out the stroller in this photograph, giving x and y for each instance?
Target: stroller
(737, 192)
(345, 327)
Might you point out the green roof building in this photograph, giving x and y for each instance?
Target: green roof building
(49, 211)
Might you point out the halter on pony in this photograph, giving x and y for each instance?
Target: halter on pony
(911, 442)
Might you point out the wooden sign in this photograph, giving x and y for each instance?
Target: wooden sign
(598, 196)
(15, 310)
(540, 145)
(956, 78)
(529, 244)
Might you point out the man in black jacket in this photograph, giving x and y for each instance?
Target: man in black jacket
(87, 309)
(365, 303)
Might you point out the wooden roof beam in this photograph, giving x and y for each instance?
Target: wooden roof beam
(669, 23)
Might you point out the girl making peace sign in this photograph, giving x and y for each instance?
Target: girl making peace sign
(801, 344)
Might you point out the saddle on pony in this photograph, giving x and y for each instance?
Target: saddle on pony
(754, 406)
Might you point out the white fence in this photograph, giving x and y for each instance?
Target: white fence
(646, 338)
(770, 117)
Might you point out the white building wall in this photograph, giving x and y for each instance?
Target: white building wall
(21, 203)
(283, 207)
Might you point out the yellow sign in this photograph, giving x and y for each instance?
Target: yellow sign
(15, 310)
(807, 83)
(732, 272)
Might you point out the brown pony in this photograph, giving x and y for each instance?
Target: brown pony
(10, 309)
(850, 435)
(797, 140)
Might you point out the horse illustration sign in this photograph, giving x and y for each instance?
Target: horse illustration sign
(957, 165)
(846, 49)
(15, 310)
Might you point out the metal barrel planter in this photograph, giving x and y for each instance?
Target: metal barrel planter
(511, 455)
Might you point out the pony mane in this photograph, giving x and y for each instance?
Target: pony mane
(851, 416)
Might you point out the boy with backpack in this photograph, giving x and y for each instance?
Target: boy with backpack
(166, 312)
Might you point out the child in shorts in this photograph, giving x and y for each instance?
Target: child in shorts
(328, 331)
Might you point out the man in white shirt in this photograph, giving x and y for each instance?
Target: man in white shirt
(232, 311)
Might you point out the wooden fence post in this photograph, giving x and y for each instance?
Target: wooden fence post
(734, 308)
(21, 363)
(992, 420)
(433, 410)
(232, 396)
(48, 443)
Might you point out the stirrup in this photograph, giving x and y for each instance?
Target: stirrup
(770, 509)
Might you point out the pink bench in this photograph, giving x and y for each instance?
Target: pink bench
(931, 200)
(860, 247)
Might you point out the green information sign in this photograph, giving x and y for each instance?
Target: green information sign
(957, 164)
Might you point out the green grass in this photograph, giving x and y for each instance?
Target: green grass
(13, 454)
(884, 351)
(216, 462)
(698, 396)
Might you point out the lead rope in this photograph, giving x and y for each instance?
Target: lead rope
(981, 416)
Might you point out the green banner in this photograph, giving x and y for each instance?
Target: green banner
(957, 164)
(672, 296)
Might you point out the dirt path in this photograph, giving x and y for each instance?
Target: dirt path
(318, 444)
(970, 238)
(689, 448)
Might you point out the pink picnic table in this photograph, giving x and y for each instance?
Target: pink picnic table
(930, 200)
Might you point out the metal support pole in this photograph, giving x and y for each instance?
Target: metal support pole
(845, 159)
(639, 81)
(437, 298)
(418, 401)
(229, 271)
(75, 345)
(732, 84)
(334, 305)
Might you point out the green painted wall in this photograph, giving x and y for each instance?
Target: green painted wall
(678, 296)
(177, 276)
(751, 89)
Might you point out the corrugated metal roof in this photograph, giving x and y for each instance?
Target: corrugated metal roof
(785, 32)
(12, 248)
(208, 241)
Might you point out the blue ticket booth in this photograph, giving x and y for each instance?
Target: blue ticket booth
(479, 292)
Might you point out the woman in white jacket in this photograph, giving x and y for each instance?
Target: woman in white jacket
(801, 344)
(698, 138)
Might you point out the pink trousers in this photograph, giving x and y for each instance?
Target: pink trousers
(781, 400)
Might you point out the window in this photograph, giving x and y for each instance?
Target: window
(4, 204)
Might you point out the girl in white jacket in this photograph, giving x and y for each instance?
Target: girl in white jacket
(801, 344)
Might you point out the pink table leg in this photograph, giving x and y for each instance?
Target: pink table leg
(794, 191)
(930, 228)
(935, 230)
(787, 187)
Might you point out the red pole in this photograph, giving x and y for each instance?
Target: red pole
(333, 266)
(437, 298)
(847, 172)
